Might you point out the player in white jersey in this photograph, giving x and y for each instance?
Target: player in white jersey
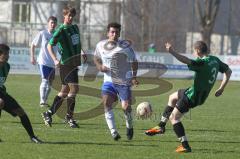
(44, 60)
(117, 60)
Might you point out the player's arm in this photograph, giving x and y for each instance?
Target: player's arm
(134, 66)
(226, 77)
(52, 54)
(84, 56)
(32, 57)
(98, 62)
(36, 41)
(134, 72)
(178, 56)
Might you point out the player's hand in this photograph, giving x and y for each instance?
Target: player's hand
(135, 81)
(169, 47)
(33, 61)
(104, 69)
(84, 56)
(219, 92)
(56, 63)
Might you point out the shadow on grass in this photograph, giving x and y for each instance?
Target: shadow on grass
(209, 130)
(214, 151)
(119, 143)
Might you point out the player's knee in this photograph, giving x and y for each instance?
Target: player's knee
(74, 88)
(172, 97)
(172, 100)
(1, 103)
(125, 105)
(64, 92)
(174, 118)
(19, 112)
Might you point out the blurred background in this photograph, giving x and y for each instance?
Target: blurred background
(148, 23)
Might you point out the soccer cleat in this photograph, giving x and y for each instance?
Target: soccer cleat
(72, 123)
(154, 131)
(42, 105)
(116, 136)
(47, 118)
(35, 140)
(181, 149)
(129, 133)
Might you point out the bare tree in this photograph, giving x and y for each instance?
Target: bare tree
(141, 26)
(207, 16)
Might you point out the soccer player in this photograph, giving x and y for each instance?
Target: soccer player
(117, 60)
(46, 64)
(206, 68)
(67, 38)
(7, 102)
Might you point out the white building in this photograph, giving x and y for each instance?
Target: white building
(20, 20)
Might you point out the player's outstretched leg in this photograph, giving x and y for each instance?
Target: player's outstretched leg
(160, 129)
(28, 127)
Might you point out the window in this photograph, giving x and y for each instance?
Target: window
(21, 12)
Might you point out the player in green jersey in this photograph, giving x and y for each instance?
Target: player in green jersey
(67, 38)
(206, 68)
(7, 102)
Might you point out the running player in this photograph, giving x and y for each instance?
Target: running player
(7, 102)
(46, 64)
(117, 60)
(67, 38)
(206, 68)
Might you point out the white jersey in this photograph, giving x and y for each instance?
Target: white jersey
(119, 59)
(44, 57)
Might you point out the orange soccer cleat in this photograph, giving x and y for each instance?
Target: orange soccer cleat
(154, 131)
(181, 149)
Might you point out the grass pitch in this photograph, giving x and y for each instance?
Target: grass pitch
(212, 129)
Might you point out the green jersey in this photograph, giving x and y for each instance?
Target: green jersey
(4, 69)
(206, 70)
(67, 38)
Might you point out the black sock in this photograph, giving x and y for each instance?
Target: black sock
(57, 102)
(162, 124)
(70, 106)
(166, 113)
(180, 132)
(27, 125)
(179, 129)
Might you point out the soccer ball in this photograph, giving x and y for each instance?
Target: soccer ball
(144, 110)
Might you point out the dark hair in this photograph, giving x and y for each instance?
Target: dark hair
(4, 48)
(114, 25)
(201, 46)
(52, 18)
(69, 9)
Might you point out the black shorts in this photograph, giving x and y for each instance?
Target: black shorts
(68, 74)
(183, 103)
(10, 104)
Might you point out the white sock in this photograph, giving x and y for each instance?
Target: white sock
(47, 92)
(109, 116)
(44, 90)
(129, 119)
